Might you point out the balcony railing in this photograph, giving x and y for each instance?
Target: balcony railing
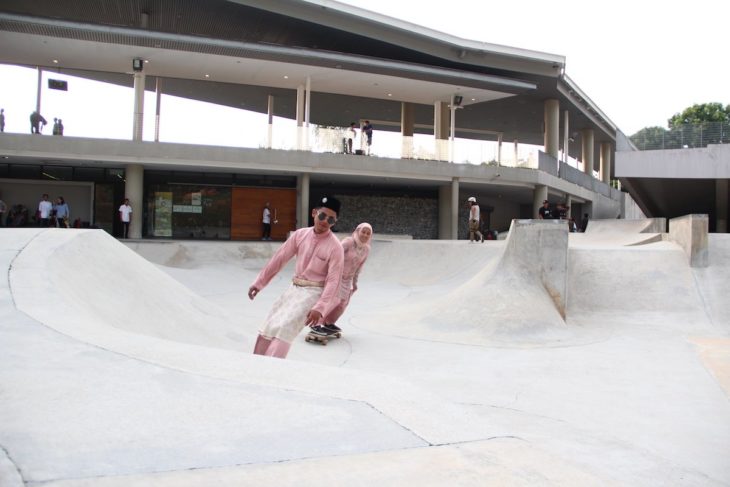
(683, 136)
(286, 136)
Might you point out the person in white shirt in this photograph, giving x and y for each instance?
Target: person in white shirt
(474, 220)
(351, 137)
(44, 211)
(125, 216)
(266, 220)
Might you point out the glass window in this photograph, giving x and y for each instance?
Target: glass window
(189, 211)
(58, 173)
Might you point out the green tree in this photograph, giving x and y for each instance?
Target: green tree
(696, 126)
(650, 138)
(698, 114)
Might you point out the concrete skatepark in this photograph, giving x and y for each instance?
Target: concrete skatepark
(547, 358)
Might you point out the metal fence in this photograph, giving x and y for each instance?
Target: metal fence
(683, 136)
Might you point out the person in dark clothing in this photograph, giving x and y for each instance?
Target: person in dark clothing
(37, 122)
(367, 132)
(584, 222)
(545, 213)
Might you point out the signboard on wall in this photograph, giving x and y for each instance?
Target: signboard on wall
(57, 84)
(163, 214)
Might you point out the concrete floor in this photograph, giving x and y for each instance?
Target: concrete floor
(130, 365)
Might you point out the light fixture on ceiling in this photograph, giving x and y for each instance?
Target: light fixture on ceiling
(55, 61)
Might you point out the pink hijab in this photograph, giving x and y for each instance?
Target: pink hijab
(359, 244)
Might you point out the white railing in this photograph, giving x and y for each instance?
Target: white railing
(285, 135)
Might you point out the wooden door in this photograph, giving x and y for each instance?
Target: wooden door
(247, 206)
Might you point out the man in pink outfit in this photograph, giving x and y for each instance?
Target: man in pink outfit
(314, 289)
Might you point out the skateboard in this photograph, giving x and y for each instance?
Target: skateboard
(311, 337)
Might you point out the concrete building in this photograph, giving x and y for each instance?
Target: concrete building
(676, 182)
(322, 65)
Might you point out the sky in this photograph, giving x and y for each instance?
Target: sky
(640, 62)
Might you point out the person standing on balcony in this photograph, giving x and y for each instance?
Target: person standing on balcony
(314, 291)
(351, 137)
(37, 122)
(367, 133)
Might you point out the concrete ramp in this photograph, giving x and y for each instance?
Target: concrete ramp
(516, 297)
(712, 281)
(85, 283)
(643, 225)
(650, 284)
(609, 233)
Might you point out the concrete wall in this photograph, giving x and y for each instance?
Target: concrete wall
(690, 232)
(417, 217)
(631, 210)
(711, 162)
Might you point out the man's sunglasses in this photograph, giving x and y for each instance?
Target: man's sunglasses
(321, 216)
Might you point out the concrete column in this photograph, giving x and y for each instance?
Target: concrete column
(441, 129)
(445, 216)
(569, 204)
(499, 149)
(587, 151)
(307, 104)
(158, 104)
(270, 111)
(139, 80)
(721, 205)
(605, 162)
(303, 200)
(300, 116)
(38, 90)
(407, 125)
(566, 136)
(552, 127)
(538, 196)
(455, 209)
(452, 128)
(134, 189)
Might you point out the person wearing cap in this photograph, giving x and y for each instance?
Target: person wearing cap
(474, 220)
(314, 290)
(544, 212)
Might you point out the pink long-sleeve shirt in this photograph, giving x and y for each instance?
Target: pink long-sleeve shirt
(320, 258)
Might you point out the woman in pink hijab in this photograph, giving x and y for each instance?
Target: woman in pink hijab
(357, 248)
